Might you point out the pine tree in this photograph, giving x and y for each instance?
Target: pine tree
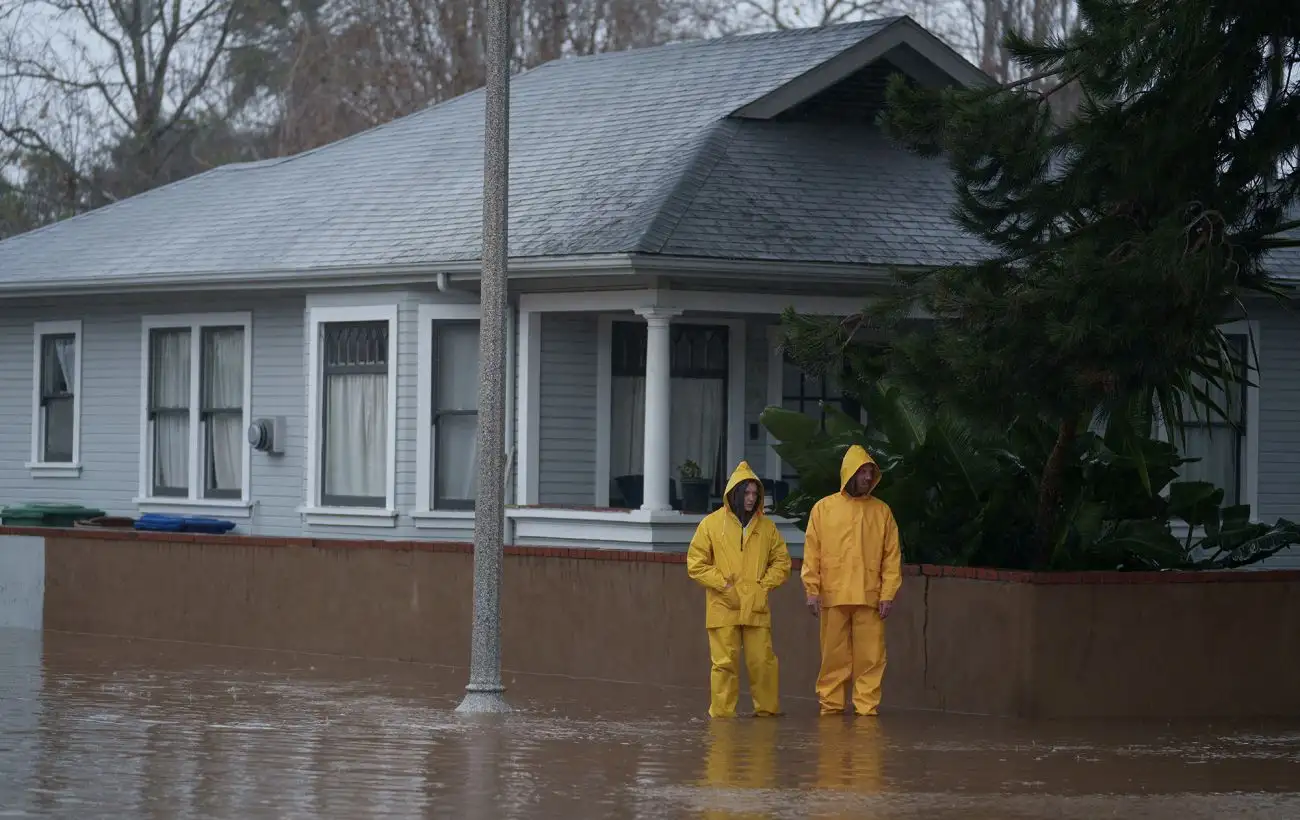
(1120, 238)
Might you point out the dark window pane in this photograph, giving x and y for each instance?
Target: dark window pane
(57, 446)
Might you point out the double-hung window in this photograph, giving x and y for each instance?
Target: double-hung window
(455, 415)
(447, 437)
(352, 434)
(56, 400)
(1219, 444)
(197, 383)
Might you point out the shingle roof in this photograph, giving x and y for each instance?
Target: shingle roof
(814, 192)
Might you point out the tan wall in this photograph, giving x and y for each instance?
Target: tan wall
(991, 643)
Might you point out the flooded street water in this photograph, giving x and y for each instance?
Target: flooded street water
(102, 728)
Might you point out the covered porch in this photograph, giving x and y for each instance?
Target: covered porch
(619, 391)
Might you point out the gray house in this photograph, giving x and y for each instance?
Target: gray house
(666, 205)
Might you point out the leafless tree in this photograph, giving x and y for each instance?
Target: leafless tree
(359, 63)
(81, 78)
(788, 14)
(979, 26)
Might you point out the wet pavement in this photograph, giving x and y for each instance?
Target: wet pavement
(103, 728)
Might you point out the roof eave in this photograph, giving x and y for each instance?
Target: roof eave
(467, 272)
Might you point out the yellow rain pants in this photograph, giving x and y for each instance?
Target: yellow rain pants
(853, 654)
(725, 646)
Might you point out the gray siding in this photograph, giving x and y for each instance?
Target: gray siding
(567, 462)
(110, 415)
(1279, 422)
(110, 399)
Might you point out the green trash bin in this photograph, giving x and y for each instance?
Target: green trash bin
(46, 515)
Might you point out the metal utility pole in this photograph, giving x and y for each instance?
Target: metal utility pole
(485, 690)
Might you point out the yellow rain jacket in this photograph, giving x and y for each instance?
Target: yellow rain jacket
(756, 555)
(851, 554)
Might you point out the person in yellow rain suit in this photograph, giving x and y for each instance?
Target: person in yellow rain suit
(738, 556)
(852, 569)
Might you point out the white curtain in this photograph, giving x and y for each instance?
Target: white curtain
(356, 435)
(456, 442)
(171, 390)
(698, 419)
(65, 355)
(225, 389)
(1217, 446)
(1217, 449)
(627, 426)
(457, 458)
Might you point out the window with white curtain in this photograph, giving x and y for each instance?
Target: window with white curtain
(1219, 443)
(169, 410)
(197, 407)
(222, 411)
(698, 370)
(455, 414)
(57, 381)
(354, 414)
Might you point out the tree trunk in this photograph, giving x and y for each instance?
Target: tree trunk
(1050, 490)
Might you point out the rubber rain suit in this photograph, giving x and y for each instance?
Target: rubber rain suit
(851, 562)
(739, 558)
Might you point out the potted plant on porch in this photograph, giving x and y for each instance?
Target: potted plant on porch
(695, 490)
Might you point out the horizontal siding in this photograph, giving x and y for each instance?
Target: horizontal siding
(1279, 422)
(567, 461)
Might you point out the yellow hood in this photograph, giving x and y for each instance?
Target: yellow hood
(853, 461)
(743, 473)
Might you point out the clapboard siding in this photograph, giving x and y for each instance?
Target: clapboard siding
(567, 461)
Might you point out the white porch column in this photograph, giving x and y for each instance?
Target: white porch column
(656, 469)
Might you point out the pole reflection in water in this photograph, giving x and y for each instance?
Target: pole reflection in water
(480, 799)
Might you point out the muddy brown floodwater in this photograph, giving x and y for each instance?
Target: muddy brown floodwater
(103, 728)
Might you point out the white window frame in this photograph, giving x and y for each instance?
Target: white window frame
(195, 503)
(735, 414)
(1250, 450)
(37, 465)
(426, 458)
(312, 511)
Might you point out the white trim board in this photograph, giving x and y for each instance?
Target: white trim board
(37, 465)
(312, 511)
(735, 424)
(195, 323)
